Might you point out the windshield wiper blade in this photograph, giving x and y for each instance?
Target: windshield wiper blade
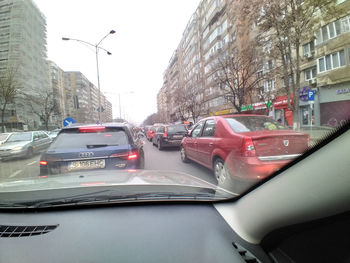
(100, 145)
(105, 199)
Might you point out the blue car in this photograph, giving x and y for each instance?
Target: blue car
(92, 147)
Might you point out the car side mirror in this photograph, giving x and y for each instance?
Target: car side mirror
(36, 139)
(188, 134)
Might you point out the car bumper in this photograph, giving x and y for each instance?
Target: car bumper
(13, 154)
(171, 143)
(253, 169)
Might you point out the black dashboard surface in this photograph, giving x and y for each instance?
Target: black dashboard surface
(144, 233)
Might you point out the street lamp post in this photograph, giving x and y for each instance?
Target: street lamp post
(97, 48)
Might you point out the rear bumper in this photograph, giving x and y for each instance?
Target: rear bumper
(171, 143)
(251, 168)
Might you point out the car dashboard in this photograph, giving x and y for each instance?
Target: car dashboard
(162, 232)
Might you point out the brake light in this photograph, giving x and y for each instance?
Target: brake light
(248, 148)
(92, 129)
(308, 139)
(125, 155)
(43, 163)
(165, 133)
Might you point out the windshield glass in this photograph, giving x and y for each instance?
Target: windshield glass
(187, 97)
(3, 136)
(19, 137)
(84, 140)
(176, 128)
(247, 124)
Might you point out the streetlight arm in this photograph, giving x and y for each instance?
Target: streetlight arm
(110, 32)
(82, 41)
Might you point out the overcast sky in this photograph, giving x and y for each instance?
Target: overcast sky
(147, 33)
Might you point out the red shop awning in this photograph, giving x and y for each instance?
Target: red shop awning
(281, 102)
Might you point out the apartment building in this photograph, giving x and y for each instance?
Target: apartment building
(23, 51)
(326, 71)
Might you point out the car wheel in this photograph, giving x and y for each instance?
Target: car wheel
(222, 174)
(160, 147)
(29, 153)
(184, 155)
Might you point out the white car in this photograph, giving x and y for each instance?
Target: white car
(4, 137)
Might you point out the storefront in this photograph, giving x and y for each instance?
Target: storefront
(259, 108)
(335, 104)
(309, 107)
(282, 113)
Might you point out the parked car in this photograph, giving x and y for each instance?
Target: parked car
(4, 137)
(242, 148)
(169, 135)
(91, 147)
(24, 144)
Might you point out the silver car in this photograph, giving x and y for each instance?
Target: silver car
(24, 144)
(4, 137)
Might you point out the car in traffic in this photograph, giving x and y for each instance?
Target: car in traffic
(4, 137)
(93, 147)
(242, 148)
(24, 144)
(151, 131)
(169, 135)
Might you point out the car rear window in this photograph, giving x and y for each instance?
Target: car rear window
(80, 140)
(253, 123)
(176, 128)
(19, 137)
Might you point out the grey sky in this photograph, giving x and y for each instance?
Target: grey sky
(148, 32)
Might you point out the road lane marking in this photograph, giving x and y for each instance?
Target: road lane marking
(31, 163)
(15, 173)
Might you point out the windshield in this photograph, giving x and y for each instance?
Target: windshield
(3, 136)
(184, 97)
(247, 124)
(19, 137)
(176, 128)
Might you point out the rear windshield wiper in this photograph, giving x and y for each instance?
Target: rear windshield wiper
(99, 145)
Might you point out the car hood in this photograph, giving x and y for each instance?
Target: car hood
(122, 182)
(11, 145)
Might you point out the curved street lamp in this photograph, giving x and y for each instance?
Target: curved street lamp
(97, 48)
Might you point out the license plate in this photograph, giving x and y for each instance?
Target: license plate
(177, 136)
(85, 165)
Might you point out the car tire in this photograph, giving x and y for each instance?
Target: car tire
(222, 175)
(159, 145)
(184, 157)
(30, 153)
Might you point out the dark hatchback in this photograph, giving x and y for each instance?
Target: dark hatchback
(169, 135)
(93, 147)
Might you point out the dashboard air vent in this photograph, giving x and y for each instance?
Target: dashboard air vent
(245, 254)
(25, 231)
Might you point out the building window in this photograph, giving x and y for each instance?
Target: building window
(309, 48)
(269, 85)
(329, 31)
(331, 61)
(76, 102)
(345, 24)
(310, 73)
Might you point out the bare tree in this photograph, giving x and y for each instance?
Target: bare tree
(287, 24)
(44, 105)
(8, 92)
(237, 76)
(179, 102)
(193, 102)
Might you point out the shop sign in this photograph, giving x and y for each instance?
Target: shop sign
(247, 107)
(223, 112)
(343, 91)
(303, 93)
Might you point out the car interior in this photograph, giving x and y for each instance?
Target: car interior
(300, 214)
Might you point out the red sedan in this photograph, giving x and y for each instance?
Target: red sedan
(242, 148)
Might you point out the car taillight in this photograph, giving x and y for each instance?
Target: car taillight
(43, 163)
(165, 133)
(126, 155)
(92, 129)
(248, 148)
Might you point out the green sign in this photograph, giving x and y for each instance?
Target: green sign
(247, 107)
(268, 104)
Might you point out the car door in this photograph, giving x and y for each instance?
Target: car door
(206, 143)
(36, 142)
(46, 140)
(191, 142)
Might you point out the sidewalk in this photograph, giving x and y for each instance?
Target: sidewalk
(316, 133)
